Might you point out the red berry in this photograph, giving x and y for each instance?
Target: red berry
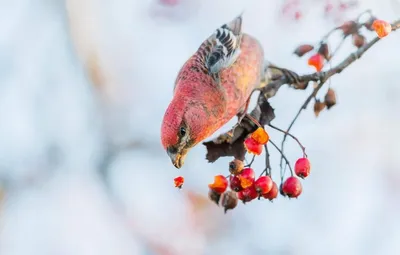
(263, 185)
(292, 187)
(246, 177)
(273, 193)
(248, 194)
(302, 167)
(235, 183)
(219, 185)
(317, 61)
(252, 146)
(297, 15)
(178, 181)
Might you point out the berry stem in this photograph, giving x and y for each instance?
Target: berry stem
(368, 11)
(267, 160)
(283, 156)
(251, 162)
(293, 137)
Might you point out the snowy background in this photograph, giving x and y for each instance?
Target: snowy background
(83, 88)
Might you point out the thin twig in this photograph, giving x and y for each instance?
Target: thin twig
(292, 136)
(283, 155)
(251, 162)
(267, 169)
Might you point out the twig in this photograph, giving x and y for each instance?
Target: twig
(284, 157)
(326, 75)
(293, 137)
(264, 113)
(251, 162)
(267, 169)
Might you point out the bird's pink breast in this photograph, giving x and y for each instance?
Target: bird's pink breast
(243, 76)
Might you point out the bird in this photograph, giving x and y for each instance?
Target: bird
(213, 86)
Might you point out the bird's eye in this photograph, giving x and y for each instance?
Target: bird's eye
(182, 131)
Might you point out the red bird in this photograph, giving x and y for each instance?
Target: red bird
(213, 86)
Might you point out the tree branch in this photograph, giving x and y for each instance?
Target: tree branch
(231, 144)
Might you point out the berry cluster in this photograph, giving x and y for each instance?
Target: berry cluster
(242, 184)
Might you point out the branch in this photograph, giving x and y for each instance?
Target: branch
(231, 143)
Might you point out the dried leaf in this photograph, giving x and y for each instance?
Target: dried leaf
(318, 107)
(303, 49)
(349, 27)
(330, 98)
(324, 51)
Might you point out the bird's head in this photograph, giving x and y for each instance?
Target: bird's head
(185, 124)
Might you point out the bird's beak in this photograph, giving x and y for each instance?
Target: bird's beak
(177, 158)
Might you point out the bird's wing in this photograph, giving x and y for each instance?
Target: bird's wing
(225, 46)
(217, 52)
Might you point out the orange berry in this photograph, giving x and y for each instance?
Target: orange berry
(252, 146)
(260, 136)
(317, 61)
(219, 185)
(382, 28)
(178, 181)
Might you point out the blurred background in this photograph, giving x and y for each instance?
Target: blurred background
(83, 88)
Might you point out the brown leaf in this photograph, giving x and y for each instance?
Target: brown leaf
(349, 27)
(318, 107)
(330, 98)
(303, 49)
(234, 147)
(324, 51)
